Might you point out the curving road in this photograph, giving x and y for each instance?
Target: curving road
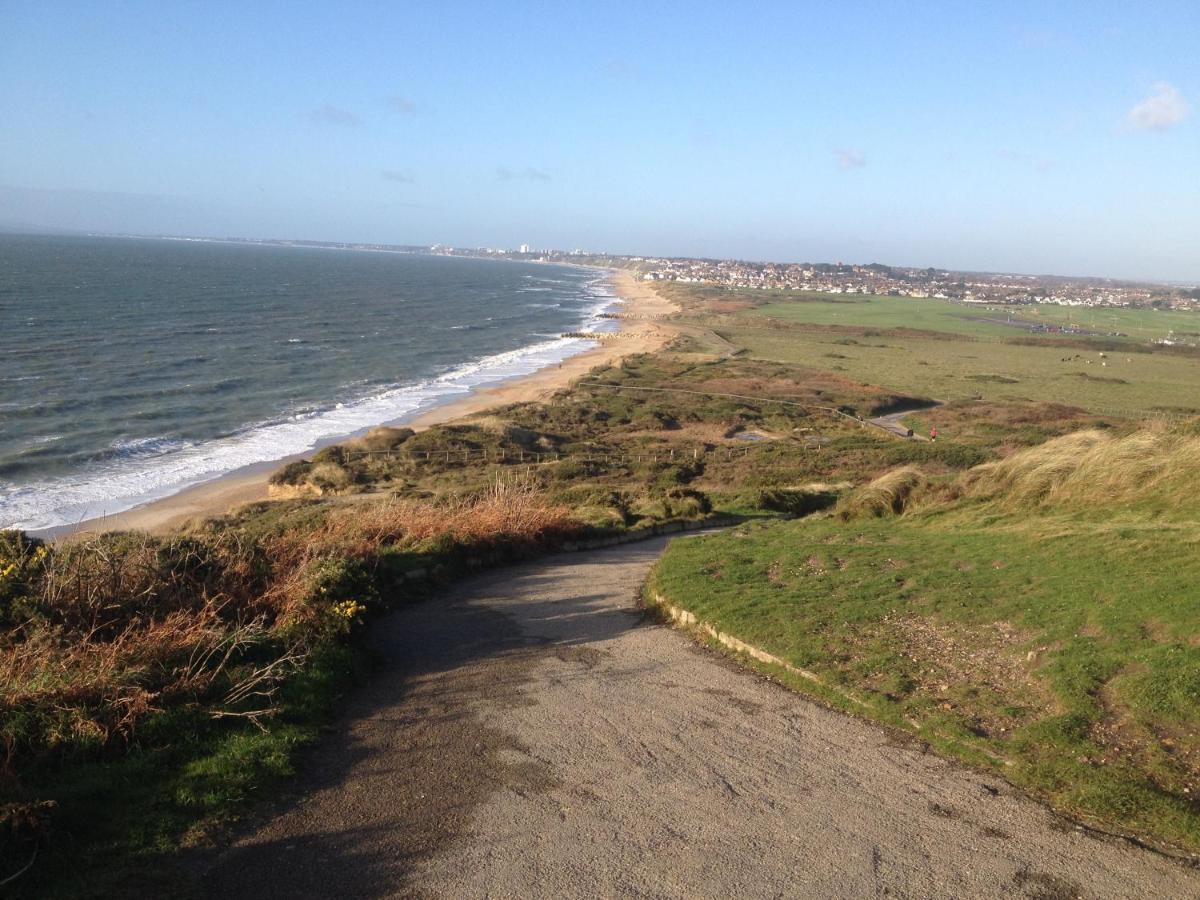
(533, 736)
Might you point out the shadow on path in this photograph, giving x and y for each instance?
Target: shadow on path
(411, 758)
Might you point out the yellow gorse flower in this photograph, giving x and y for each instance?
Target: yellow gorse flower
(8, 568)
(348, 609)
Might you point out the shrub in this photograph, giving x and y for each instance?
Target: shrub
(674, 503)
(667, 475)
(801, 501)
(949, 454)
(103, 635)
(337, 454)
(294, 473)
(329, 477)
(22, 559)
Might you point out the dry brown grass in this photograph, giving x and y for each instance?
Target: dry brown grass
(507, 509)
(1156, 464)
(90, 692)
(887, 495)
(106, 632)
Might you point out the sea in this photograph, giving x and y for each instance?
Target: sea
(131, 369)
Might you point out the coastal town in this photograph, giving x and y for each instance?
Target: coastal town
(883, 280)
(876, 279)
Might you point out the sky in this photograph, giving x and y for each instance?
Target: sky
(1027, 137)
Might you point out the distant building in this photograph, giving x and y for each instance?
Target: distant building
(525, 248)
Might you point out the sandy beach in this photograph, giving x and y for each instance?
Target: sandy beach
(640, 332)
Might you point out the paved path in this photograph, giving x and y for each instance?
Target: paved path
(891, 422)
(533, 736)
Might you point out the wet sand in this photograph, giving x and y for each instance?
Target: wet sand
(639, 333)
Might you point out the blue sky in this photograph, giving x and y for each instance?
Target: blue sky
(1040, 137)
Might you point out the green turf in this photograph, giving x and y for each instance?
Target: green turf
(1059, 649)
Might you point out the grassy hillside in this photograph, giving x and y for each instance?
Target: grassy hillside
(1037, 615)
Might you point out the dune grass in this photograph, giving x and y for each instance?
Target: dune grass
(1036, 615)
(1153, 470)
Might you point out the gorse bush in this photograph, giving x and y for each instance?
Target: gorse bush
(21, 562)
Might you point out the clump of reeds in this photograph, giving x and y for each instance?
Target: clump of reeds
(101, 633)
(888, 495)
(1156, 464)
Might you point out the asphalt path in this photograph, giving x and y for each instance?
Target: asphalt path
(533, 734)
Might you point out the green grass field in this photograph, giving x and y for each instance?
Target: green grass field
(1138, 324)
(1037, 617)
(886, 312)
(1130, 383)
(930, 347)
(941, 315)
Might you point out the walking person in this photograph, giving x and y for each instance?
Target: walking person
(933, 434)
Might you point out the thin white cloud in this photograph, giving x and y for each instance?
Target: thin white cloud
(334, 115)
(849, 159)
(398, 177)
(1162, 110)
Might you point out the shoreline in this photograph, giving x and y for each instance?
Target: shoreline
(638, 333)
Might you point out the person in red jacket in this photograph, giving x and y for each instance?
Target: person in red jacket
(933, 434)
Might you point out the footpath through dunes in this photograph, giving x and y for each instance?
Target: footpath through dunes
(533, 735)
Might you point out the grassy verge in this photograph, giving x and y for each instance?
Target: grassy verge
(1035, 615)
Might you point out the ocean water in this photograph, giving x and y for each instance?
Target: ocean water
(130, 369)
